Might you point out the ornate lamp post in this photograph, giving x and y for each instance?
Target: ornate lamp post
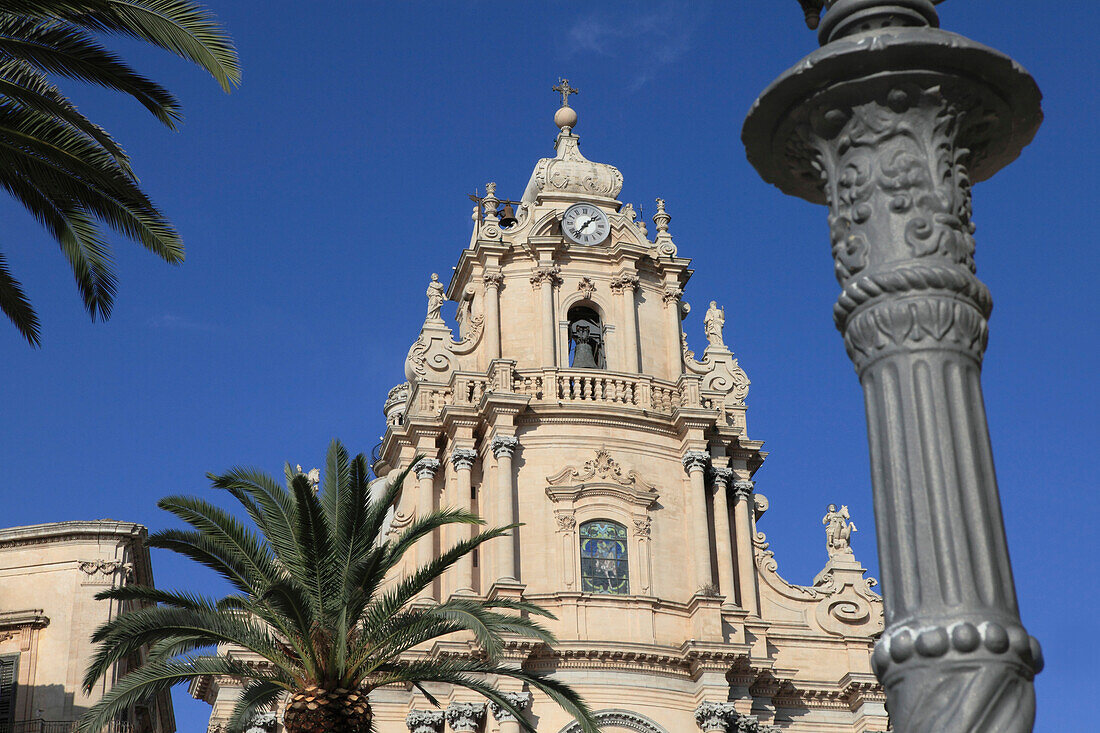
(888, 123)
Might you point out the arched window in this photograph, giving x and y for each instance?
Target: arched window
(586, 350)
(603, 558)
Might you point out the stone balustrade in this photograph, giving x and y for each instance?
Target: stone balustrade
(568, 386)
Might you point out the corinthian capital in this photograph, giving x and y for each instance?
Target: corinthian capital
(671, 296)
(742, 490)
(425, 721)
(463, 458)
(504, 445)
(465, 717)
(714, 717)
(426, 468)
(519, 700)
(624, 283)
(695, 460)
(722, 477)
(550, 274)
(493, 279)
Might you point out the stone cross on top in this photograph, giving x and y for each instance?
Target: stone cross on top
(563, 87)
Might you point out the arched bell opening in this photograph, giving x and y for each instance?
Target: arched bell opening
(587, 346)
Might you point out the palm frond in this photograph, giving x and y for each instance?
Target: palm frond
(255, 696)
(238, 543)
(269, 505)
(146, 682)
(14, 305)
(388, 603)
(187, 29)
(200, 627)
(67, 50)
(21, 83)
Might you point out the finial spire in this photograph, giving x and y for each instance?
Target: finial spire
(565, 118)
(563, 87)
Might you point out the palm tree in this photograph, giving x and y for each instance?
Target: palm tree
(66, 170)
(317, 598)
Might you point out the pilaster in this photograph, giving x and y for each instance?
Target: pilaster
(695, 464)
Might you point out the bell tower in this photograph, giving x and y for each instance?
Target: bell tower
(567, 399)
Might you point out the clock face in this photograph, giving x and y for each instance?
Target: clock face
(585, 224)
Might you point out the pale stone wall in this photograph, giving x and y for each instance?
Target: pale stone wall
(49, 575)
(656, 442)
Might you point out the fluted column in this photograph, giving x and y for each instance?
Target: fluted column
(425, 504)
(463, 461)
(675, 338)
(888, 124)
(544, 280)
(508, 722)
(695, 463)
(465, 717)
(723, 543)
(493, 280)
(746, 567)
(626, 285)
(425, 721)
(503, 446)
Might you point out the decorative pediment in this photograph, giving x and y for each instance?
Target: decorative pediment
(601, 474)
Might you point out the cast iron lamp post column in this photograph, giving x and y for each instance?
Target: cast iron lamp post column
(888, 123)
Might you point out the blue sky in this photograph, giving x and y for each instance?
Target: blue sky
(316, 200)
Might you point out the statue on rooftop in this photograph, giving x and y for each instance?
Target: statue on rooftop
(435, 299)
(713, 322)
(838, 530)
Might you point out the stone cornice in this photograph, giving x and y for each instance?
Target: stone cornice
(34, 618)
(37, 534)
(630, 418)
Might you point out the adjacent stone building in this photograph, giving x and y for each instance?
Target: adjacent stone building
(49, 575)
(569, 401)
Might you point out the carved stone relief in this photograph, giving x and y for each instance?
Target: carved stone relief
(602, 489)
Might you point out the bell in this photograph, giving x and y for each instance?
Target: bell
(507, 216)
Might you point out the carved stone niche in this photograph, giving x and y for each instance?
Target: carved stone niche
(601, 489)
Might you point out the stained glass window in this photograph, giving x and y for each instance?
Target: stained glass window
(603, 558)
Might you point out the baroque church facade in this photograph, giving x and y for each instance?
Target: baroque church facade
(568, 400)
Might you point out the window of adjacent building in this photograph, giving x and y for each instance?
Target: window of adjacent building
(603, 558)
(8, 665)
(586, 349)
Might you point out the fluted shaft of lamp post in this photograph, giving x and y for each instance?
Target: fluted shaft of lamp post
(888, 124)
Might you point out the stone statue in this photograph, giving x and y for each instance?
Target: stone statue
(838, 530)
(435, 299)
(587, 341)
(713, 322)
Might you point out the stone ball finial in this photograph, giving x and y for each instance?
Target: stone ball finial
(565, 117)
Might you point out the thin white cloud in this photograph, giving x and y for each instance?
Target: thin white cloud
(648, 40)
(180, 323)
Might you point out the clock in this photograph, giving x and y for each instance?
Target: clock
(585, 224)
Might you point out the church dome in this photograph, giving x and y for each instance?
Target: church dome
(569, 174)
